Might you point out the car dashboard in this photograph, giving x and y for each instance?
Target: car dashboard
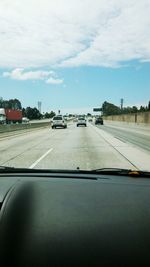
(60, 219)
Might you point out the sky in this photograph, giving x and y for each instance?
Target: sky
(74, 55)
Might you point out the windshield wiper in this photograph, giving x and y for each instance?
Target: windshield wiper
(6, 168)
(64, 173)
(103, 171)
(119, 171)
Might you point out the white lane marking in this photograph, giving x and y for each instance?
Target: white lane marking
(42, 157)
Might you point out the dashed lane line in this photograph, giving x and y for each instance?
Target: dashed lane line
(42, 157)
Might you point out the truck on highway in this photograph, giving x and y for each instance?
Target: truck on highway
(9, 116)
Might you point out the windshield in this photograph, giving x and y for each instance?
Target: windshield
(88, 61)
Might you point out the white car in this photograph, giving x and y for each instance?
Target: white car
(25, 120)
(81, 121)
(58, 121)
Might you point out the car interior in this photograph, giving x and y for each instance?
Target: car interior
(74, 218)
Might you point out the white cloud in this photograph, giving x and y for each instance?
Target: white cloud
(19, 74)
(73, 33)
(54, 81)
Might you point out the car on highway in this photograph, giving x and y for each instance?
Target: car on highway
(81, 121)
(99, 120)
(58, 121)
(25, 120)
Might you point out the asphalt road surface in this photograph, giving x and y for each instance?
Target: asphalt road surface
(139, 136)
(88, 147)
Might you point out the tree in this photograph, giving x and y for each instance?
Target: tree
(23, 112)
(134, 109)
(11, 103)
(1, 102)
(49, 115)
(32, 113)
(110, 109)
(52, 114)
(142, 109)
(14, 104)
(46, 115)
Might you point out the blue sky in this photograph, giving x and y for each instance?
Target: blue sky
(83, 87)
(51, 52)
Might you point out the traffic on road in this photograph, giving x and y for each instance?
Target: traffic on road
(77, 147)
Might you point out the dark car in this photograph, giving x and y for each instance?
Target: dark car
(99, 120)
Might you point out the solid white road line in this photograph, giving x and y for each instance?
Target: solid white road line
(42, 157)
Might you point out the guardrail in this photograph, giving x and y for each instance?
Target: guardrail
(23, 126)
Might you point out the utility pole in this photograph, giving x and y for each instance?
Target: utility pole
(39, 106)
(121, 103)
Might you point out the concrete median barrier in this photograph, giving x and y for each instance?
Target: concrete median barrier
(19, 127)
(139, 118)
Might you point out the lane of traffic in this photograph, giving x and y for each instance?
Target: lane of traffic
(22, 150)
(139, 157)
(84, 147)
(129, 135)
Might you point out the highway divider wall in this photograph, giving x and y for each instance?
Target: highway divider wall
(17, 127)
(136, 118)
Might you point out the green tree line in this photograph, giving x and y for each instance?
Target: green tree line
(111, 109)
(10, 104)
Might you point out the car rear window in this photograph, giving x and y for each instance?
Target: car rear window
(57, 118)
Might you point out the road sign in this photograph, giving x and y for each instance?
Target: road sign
(97, 109)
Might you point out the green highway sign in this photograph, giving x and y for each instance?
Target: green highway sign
(97, 109)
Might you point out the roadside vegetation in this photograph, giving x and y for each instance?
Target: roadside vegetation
(111, 109)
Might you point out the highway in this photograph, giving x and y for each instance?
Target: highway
(88, 147)
(137, 136)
